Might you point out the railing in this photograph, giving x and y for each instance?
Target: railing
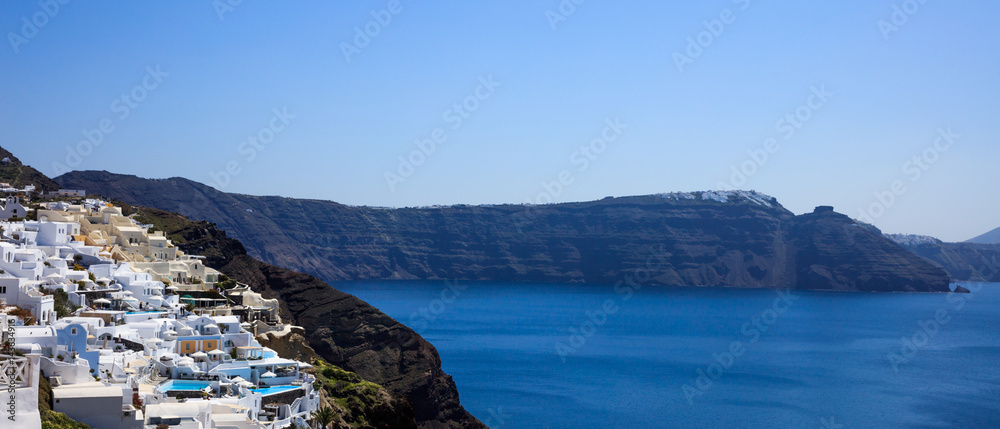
(144, 374)
(14, 370)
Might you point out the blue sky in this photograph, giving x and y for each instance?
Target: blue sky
(347, 121)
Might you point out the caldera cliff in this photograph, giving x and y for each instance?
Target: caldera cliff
(739, 239)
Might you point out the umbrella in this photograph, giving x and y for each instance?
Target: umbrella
(216, 352)
(268, 374)
(104, 280)
(128, 292)
(101, 301)
(172, 288)
(199, 355)
(185, 361)
(237, 380)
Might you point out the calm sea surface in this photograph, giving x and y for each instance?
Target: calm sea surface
(589, 356)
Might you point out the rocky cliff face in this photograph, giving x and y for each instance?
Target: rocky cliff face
(700, 239)
(833, 252)
(341, 328)
(964, 262)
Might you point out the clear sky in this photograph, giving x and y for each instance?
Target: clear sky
(199, 78)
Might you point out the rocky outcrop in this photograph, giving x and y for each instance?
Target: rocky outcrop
(740, 239)
(832, 252)
(289, 344)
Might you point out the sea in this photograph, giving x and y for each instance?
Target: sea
(534, 355)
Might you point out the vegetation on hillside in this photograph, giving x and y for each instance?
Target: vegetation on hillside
(357, 403)
(171, 224)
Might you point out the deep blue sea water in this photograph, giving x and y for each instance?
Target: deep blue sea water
(815, 360)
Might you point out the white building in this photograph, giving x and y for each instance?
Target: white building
(16, 291)
(12, 208)
(98, 404)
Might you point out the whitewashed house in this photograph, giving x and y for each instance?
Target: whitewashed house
(12, 208)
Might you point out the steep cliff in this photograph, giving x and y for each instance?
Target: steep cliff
(702, 239)
(964, 262)
(833, 252)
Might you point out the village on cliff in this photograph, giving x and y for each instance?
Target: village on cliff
(129, 331)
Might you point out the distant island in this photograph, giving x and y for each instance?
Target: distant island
(712, 238)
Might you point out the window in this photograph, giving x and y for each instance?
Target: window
(72, 331)
(3, 289)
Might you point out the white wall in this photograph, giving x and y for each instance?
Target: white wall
(99, 411)
(11, 288)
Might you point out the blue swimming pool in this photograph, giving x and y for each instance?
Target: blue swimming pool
(170, 385)
(194, 385)
(275, 389)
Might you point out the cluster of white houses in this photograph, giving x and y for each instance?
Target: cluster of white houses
(144, 347)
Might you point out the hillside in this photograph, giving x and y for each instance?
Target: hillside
(19, 175)
(699, 239)
(992, 237)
